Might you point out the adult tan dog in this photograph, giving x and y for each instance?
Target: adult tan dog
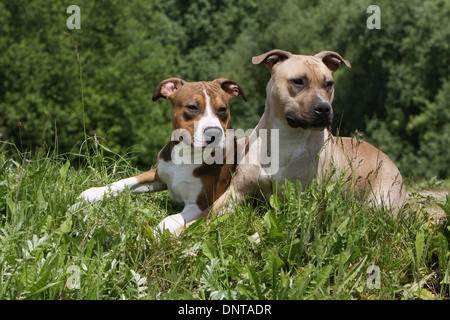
(196, 165)
(298, 108)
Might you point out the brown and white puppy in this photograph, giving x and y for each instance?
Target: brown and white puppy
(196, 165)
(298, 112)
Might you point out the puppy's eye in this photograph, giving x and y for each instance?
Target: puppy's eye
(299, 82)
(222, 109)
(192, 107)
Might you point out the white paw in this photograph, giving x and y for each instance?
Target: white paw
(95, 194)
(171, 223)
(112, 190)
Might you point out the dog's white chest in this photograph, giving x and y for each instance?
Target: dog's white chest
(181, 183)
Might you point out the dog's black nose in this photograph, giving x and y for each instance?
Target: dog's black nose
(211, 134)
(322, 109)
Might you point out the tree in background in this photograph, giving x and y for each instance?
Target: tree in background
(399, 84)
(125, 49)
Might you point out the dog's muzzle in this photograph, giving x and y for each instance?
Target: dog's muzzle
(319, 117)
(212, 134)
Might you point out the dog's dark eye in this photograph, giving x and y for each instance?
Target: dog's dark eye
(329, 85)
(222, 109)
(299, 82)
(192, 107)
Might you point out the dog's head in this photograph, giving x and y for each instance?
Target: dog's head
(200, 109)
(302, 87)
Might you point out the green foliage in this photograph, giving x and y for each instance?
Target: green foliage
(405, 70)
(125, 51)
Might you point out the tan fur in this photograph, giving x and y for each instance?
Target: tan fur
(310, 151)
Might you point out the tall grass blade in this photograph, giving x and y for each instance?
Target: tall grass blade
(256, 282)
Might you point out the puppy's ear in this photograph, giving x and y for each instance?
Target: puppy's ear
(231, 87)
(167, 88)
(272, 58)
(332, 60)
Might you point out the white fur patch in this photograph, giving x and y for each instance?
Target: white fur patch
(112, 190)
(97, 194)
(175, 221)
(183, 187)
(180, 181)
(209, 119)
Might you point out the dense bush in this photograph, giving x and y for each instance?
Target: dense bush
(397, 91)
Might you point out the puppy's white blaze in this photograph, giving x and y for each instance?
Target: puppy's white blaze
(209, 119)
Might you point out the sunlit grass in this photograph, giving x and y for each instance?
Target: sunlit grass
(316, 244)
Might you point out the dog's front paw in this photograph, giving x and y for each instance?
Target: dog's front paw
(94, 194)
(174, 223)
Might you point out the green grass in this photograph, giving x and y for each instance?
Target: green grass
(316, 244)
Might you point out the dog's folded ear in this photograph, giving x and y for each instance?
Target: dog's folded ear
(271, 58)
(166, 88)
(231, 87)
(332, 60)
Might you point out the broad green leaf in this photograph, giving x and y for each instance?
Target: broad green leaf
(64, 227)
(209, 250)
(343, 226)
(321, 279)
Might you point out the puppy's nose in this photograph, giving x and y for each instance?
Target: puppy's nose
(211, 134)
(322, 109)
